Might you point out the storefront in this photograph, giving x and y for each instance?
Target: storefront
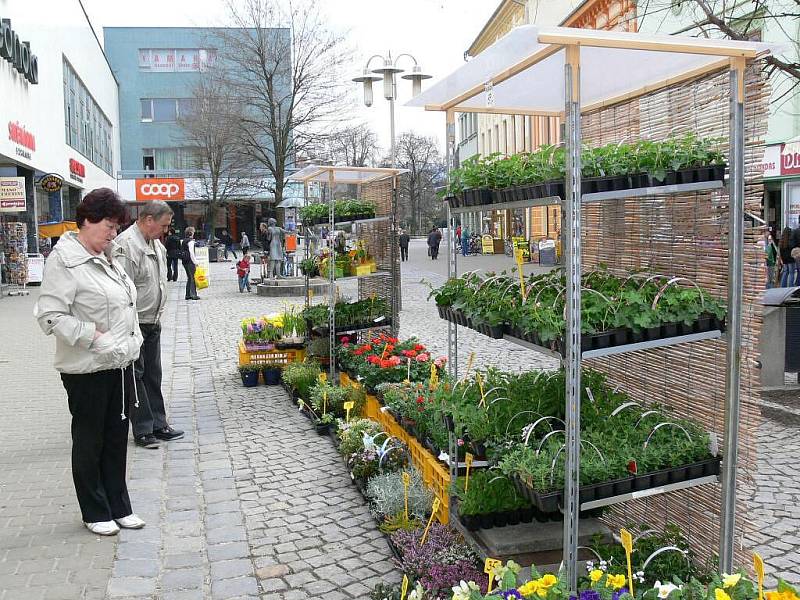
(781, 168)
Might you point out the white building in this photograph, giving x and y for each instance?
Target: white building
(61, 114)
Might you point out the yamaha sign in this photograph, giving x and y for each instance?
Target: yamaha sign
(18, 53)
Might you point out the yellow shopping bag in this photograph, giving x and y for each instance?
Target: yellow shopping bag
(201, 278)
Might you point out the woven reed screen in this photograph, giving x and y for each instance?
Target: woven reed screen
(380, 239)
(685, 235)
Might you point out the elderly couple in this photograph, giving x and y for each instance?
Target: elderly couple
(102, 300)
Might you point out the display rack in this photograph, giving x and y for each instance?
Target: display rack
(14, 246)
(389, 271)
(536, 72)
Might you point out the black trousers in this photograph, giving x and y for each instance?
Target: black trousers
(191, 287)
(172, 269)
(100, 442)
(151, 414)
(403, 252)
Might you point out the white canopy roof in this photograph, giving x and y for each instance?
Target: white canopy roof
(526, 69)
(343, 175)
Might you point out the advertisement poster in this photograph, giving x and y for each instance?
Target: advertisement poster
(201, 253)
(12, 194)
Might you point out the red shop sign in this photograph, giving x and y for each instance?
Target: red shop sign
(19, 135)
(790, 158)
(77, 168)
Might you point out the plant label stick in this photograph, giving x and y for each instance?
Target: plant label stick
(488, 567)
(434, 382)
(404, 588)
(480, 387)
(469, 364)
(468, 461)
(348, 406)
(758, 563)
(436, 503)
(627, 544)
(323, 377)
(408, 372)
(406, 483)
(518, 257)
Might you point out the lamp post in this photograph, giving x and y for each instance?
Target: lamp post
(388, 73)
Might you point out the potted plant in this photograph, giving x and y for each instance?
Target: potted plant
(324, 424)
(249, 374)
(272, 373)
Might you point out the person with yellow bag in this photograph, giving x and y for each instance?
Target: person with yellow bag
(200, 278)
(189, 260)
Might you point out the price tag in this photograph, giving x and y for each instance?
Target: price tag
(468, 461)
(434, 382)
(406, 483)
(488, 567)
(322, 377)
(404, 588)
(590, 394)
(348, 406)
(627, 544)
(758, 563)
(434, 510)
(408, 371)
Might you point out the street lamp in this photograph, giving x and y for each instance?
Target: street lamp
(388, 73)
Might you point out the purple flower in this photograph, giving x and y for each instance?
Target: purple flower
(587, 595)
(510, 594)
(616, 595)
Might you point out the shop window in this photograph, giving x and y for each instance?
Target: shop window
(147, 110)
(165, 109)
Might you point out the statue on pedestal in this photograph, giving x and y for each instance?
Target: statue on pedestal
(275, 235)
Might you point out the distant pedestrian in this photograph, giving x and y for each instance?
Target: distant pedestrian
(404, 241)
(785, 246)
(245, 244)
(143, 257)
(89, 304)
(434, 237)
(243, 271)
(189, 260)
(770, 258)
(227, 241)
(465, 236)
(173, 246)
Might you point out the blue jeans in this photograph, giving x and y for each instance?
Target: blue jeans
(244, 282)
(788, 275)
(770, 276)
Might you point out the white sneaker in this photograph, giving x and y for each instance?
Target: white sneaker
(130, 522)
(103, 528)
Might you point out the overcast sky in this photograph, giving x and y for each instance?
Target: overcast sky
(436, 32)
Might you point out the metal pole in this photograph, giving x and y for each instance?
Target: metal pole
(307, 238)
(332, 283)
(397, 301)
(452, 255)
(734, 318)
(391, 129)
(572, 204)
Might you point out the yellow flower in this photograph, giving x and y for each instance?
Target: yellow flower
(731, 580)
(596, 575)
(784, 595)
(719, 594)
(615, 581)
(548, 581)
(530, 588)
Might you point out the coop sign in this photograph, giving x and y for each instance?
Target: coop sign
(18, 53)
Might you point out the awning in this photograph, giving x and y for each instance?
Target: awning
(56, 228)
(523, 72)
(343, 174)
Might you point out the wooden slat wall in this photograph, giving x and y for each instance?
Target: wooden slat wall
(379, 241)
(685, 235)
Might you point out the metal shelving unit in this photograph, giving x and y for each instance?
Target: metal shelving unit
(664, 489)
(519, 75)
(358, 176)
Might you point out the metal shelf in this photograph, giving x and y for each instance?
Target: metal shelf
(671, 487)
(596, 197)
(352, 221)
(375, 274)
(599, 353)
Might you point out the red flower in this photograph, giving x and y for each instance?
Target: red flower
(394, 361)
(345, 339)
(422, 358)
(419, 347)
(420, 400)
(358, 352)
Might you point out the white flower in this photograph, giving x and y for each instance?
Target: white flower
(639, 576)
(589, 565)
(463, 590)
(666, 589)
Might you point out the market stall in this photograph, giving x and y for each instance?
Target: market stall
(612, 88)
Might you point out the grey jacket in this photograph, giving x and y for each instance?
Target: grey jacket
(146, 264)
(81, 294)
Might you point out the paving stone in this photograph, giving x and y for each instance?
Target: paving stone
(121, 587)
(230, 588)
(179, 579)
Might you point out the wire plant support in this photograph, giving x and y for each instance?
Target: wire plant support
(603, 69)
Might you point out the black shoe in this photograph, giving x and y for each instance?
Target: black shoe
(195, 298)
(168, 434)
(146, 441)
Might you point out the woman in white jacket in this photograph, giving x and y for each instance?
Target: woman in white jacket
(89, 304)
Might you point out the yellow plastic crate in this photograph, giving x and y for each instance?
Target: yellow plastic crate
(363, 270)
(264, 357)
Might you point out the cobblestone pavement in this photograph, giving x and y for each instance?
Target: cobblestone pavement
(250, 504)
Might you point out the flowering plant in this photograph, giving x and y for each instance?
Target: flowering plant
(262, 329)
(390, 456)
(384, 358)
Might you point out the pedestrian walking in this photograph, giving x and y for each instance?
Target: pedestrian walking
(227, 241)
(404, 240)
(785, 246)
(243, 272)
(432, 243)
(189, 261)
(89, 304)
(143, 257)
(465, 237)
(245, 242)
(173, 246)
(770, 258)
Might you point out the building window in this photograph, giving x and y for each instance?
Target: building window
(171, 60)
(170, 159)
(165, 110)
(86, 127)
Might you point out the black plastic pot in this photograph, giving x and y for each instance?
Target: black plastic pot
(619, 337)
(711, 466)
(453, 201)
(483, 196)
(695, 471)
(549, 503)
(653, 333)
(586, 342)
(495, 331)
(471, 522)
(512, 517)
(669, 330)
(250, 378)
(500, 519)
(604, 490)
(678, 474)
(486, 521)
(718, 172)
(623, 486)
(526, 515)
(659, 478)
(642, 482)
(441, 310)
(272, 376)
(703, 323)
(637, 336)
(601, 340)
(322, 428)
(619, 182)
(687, 175)
(639, 180)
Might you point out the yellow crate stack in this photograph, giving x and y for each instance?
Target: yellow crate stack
(269, 357)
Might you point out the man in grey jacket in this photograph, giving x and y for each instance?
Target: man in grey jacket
(143, 257)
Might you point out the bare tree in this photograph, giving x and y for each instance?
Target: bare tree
(419, 206)
(740, 20)
(288, 69)
(355, 146)
(211, 128)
